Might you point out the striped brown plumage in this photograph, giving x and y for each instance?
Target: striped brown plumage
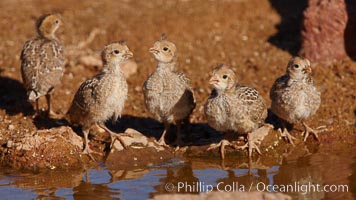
(103, 96)
(168, 94)
(233, 107)
(294, 96)
(42, 61)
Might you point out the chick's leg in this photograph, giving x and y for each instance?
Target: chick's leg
(178, 140)
(50, 113)
(161, 141)
(36, 108)
(222, 145)
(286, 134)
(308, 130)
(255, 138)
(87, 149)
(48, 99)
(113, 136)
(224, 142)
(251, 144)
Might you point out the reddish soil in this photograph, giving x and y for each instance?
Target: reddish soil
(234, 32)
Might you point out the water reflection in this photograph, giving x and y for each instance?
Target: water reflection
(296, 173)
(174, 176)
(94, 185)
(333, 167)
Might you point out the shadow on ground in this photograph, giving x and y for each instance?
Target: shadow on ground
(289, 36)
(195, 133)
(44, 122)
(13, 97)
(350, 31)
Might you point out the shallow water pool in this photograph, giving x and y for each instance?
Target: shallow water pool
(334, 170)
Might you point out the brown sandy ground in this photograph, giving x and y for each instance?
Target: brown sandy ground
(234, 32)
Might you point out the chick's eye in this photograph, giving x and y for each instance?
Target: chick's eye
(296, 66)
(165, 49)
(56, 21)
(225, 76)
(116, 51)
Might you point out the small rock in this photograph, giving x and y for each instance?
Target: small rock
(11, 127)
(9, 144)
(52, 167)
(59, 147)
(134, 137)
(137, 89)
(70, 75)
(217, 38)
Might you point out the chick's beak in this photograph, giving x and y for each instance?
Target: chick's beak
(213, 80)
(153, 50)
(128, 55)
(308, 70)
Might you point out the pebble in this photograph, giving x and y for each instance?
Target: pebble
(70, 76)
(11, 127)
(9, 144)
(52, 167)
(137, 89)
(217, 38)
(244, 38)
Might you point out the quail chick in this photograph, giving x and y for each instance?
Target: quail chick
(294, 96)
(42, 61)
(233, 107)
(103, 96)
(167, 93)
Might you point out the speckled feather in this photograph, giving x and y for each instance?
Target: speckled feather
(238, 108)
(168, 94)
(42, 65)
(294, 100)
(100, 98)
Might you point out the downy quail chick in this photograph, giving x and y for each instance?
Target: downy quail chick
(167, 93)
(42, 61)
(295, 98)
(103, 96)
(233, 107)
